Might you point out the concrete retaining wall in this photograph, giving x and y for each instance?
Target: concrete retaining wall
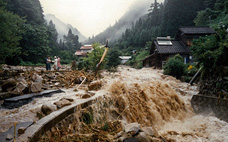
(57, 119)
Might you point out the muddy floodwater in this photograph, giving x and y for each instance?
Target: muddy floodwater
(165, 105)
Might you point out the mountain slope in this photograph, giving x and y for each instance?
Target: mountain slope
(62, 28)
(114, 32)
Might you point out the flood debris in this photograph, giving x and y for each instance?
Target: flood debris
(23, 80)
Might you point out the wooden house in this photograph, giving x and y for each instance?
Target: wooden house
(163, 47)
(187, 34)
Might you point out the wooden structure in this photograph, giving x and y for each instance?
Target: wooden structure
(187, 34)
(163, 47)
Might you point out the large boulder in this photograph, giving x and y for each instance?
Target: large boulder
(37, 78)
(9, 83)
(62, 103)
(87, 95)
(35, 87)
(48, 108)
(21, 88)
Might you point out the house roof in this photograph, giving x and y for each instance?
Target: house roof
(197, 30)
(177, 47)
(86, 47)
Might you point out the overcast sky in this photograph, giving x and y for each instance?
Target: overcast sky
(90, 17)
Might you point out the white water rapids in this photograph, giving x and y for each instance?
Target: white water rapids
(191, 128)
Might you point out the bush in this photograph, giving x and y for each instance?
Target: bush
(175, 67)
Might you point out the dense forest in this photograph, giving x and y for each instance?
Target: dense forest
(25, 36)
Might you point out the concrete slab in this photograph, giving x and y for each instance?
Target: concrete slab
(18, 101)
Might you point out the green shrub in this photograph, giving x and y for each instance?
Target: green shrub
(175, 67)
(87, 117)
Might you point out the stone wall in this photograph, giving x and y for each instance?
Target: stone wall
(214, 83)
(213, 93)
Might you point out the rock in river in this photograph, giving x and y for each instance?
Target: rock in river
(62, 103)
(48, 108)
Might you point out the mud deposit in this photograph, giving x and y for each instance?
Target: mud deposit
(144, 96)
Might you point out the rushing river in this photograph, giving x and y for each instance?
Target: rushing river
(170, 105)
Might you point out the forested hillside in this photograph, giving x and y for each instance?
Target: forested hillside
(26, 38)
(163, 19)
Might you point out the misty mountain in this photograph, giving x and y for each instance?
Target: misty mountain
(63, 28)
(114, 32)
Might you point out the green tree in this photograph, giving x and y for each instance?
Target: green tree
(71, 41)
(35, 40)
(10, 35)
(30, 9)
(53, 37)
(35, 44)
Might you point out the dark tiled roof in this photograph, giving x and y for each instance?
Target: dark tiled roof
(197, 30)
(177, 47)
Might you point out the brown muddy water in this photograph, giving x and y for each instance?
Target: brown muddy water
(145, 96)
